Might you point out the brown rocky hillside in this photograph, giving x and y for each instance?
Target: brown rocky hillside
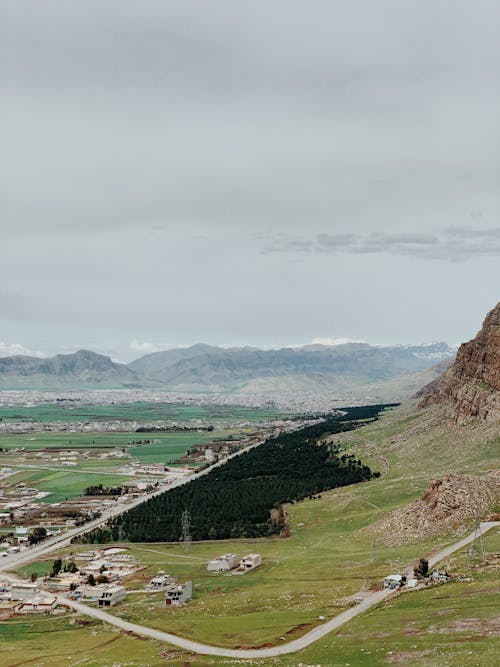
(445, 507)
(471, 387)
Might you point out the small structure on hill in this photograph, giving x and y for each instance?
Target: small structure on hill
(159, 583)
(394, 581)
(112, 596)
(223, 563)
(177, 594)
(248, 563)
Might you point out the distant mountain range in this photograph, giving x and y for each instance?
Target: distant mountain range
(206, 368)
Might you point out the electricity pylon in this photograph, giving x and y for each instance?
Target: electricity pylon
(186, 538)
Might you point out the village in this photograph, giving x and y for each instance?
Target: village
(101, 577)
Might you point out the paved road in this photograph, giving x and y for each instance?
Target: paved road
(290, 647)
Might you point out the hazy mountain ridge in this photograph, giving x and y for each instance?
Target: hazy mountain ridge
(235, 367)
(82, 369)
(207, 368)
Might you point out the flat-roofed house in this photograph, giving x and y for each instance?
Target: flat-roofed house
(24, 590)
(111, 596)
(159, 583)
(248, 563)
(177, 594)
(39, 604)
(223, 563)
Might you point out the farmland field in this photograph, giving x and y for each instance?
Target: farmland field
(170, 446)
(64, 484)
(145, 412)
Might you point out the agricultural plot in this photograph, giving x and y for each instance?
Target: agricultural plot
(168, 446)
(64, 484)
(141, 411)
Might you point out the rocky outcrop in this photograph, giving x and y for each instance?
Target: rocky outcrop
(447, 506)
(471, 387)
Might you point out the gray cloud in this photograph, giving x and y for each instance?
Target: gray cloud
(452, 244)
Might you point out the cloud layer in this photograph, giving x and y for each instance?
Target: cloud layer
(453, 244)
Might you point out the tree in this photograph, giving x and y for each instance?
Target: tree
(72, 567)
(34, 577)
(422, 569)
(37, 535)
(102, 579)
(91, 580)
(56, 567)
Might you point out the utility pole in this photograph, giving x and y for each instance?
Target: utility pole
(186, 538)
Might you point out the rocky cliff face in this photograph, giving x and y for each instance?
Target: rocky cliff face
(471, 387)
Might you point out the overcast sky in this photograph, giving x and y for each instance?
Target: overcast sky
(240, 172)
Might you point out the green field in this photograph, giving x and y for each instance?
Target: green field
(328, 558)
(64, 484)
(145, 412)
(170, 445)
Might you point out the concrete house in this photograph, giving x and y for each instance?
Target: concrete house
(111, 596)
(248, 563)
(177, 594)
(24, 590)
(37, 605)
(222, 563)
(159, 583)
(88, 592)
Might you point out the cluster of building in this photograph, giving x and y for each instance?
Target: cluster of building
(394, 581)
(231, 562)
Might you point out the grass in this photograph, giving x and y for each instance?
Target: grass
(73, 641)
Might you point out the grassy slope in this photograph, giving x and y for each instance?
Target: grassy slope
(326, 559)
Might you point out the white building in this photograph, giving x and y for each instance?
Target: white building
(37, 605)
(111, 596)
(177, 594)
(24, 590)
(393, 581)
(248, 562)
(89, 592)
(159, 583)
(223, 563)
